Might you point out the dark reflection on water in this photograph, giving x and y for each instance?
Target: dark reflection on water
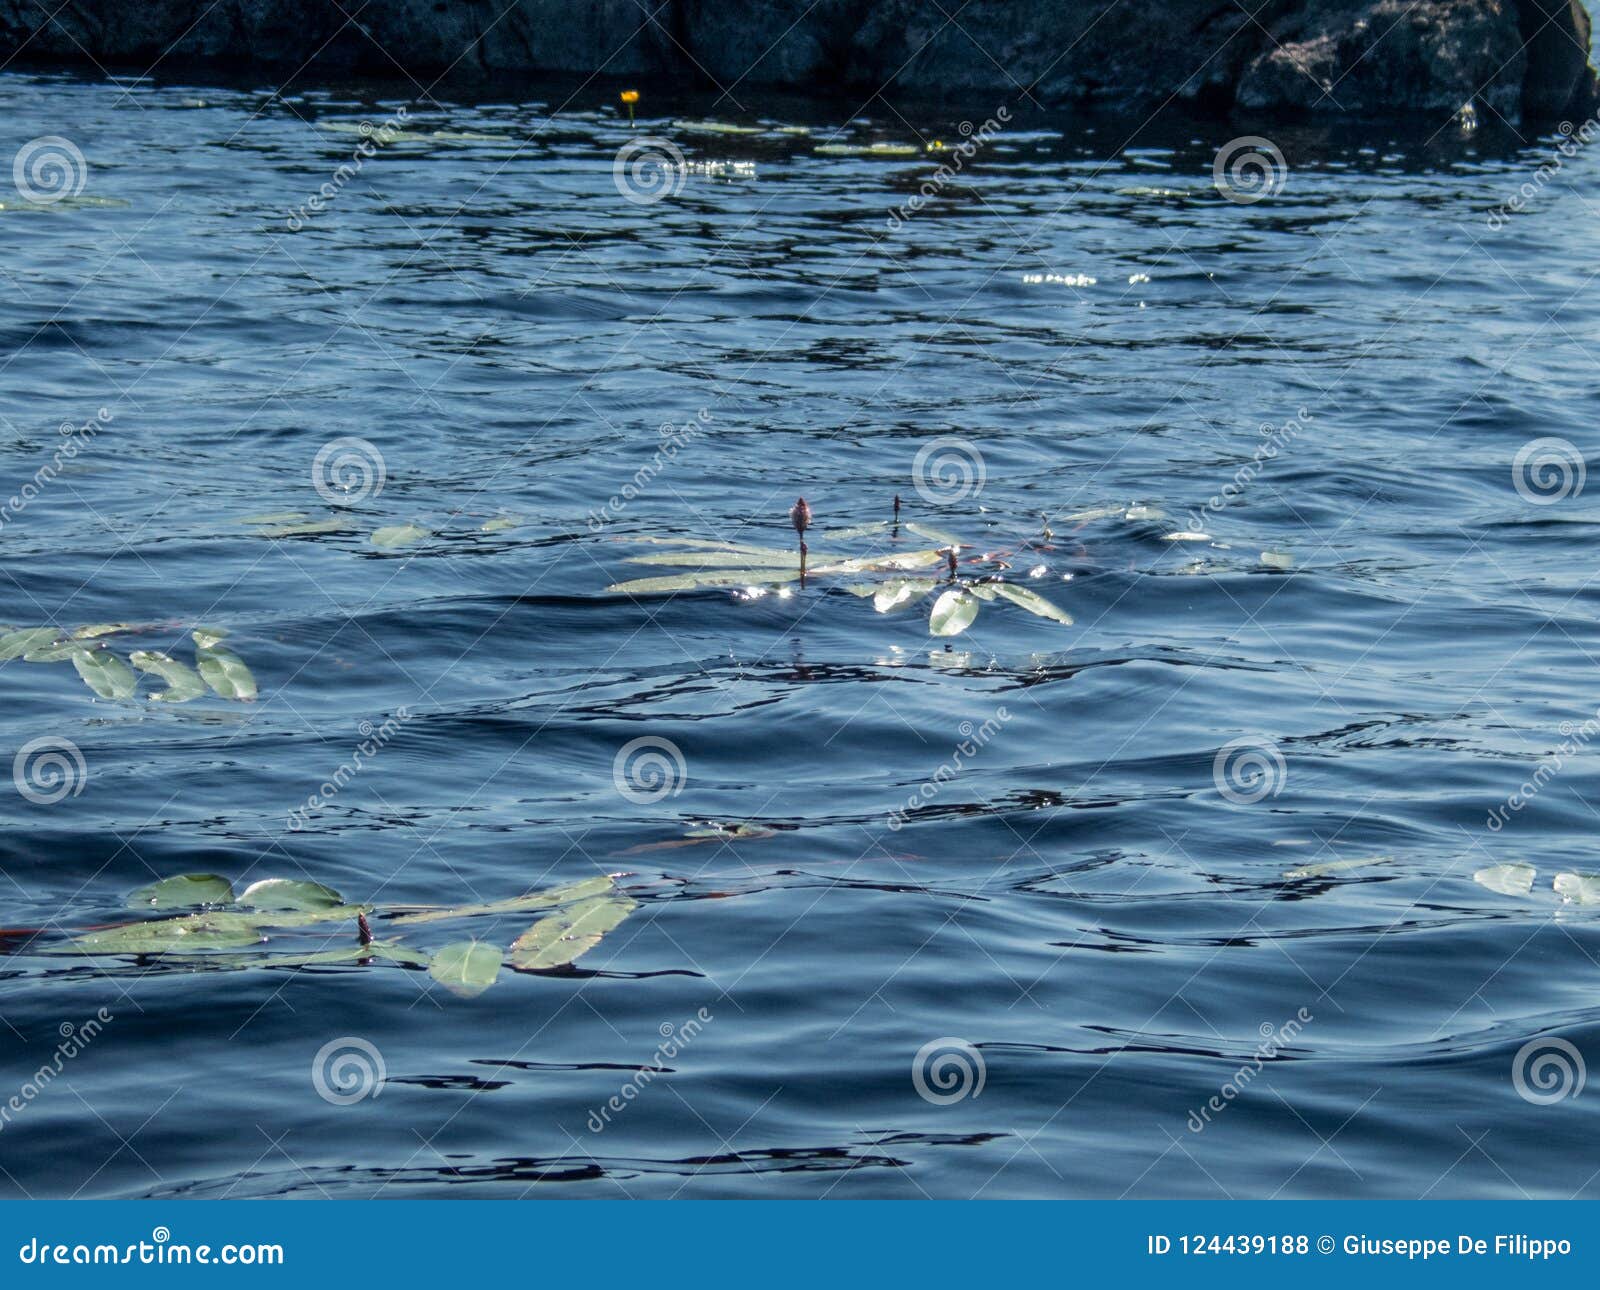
(1079, 911)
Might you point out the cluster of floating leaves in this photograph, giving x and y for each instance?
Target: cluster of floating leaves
(104, 672)
(880, 576)
(1517, 880)
(268, 911)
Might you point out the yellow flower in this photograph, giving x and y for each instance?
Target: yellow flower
(630, 96)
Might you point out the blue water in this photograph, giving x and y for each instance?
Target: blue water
(1108, 926)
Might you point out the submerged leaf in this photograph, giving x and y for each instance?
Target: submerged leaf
(547, 899)
(184, 889)
(561, 938)
(934, 535)
(953, 612)
(1032, 601)
(1317, 870)
(183, 681)
(859, 531)
(398, 535)
(465, 968)
(1506, 879)
(105, 674)
(307, 528)
(500, 523)
(289, 894)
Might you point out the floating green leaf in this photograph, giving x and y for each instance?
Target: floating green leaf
(274, 517)
(183, 890)
(859, 531)
(894, 595)
(96, 630)
(728, 562)
(465, 968)
(1032, 601)
(1507, 879)
(717, 127)
(16, 644)
(547, 899)
(183, 681)
(563, 937)
(289, 894)
(869, 150)
(56, 652)
(1277, 559)
(307, 528)
(105, 673)
(222, 669)
(1577, 888)
(953, 612)
(696, 581)
(398, 535)
(213, 931)
(500, 523)
(1317, 870)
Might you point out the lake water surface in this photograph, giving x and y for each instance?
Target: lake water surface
(1190, 883)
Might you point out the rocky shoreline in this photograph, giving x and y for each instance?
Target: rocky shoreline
(1516, 59)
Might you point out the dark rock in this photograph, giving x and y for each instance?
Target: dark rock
(1321, 58)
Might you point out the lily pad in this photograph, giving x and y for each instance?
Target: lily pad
(105, 674)
(465, 968)
(500, 523)
(183, 890)
(56, 652)
(547, 899)
(555, 941)
(96, 630)
(1506, 879)
(289, 894)
(953, 612)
